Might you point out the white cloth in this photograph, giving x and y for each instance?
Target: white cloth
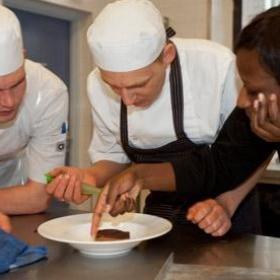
(34, 143)
(210, 91)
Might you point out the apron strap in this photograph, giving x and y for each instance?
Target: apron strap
(177, 98)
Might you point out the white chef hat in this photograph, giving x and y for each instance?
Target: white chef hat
(127, 35)
(11, 46)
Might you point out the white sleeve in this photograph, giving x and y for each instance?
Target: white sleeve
(47, 147)
(230, 93)
(105, 143)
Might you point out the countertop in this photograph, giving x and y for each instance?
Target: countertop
(184, 253)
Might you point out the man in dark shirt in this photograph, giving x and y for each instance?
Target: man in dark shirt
(250, 135)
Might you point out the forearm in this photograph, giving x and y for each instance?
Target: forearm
(156, 176)
(231, 200)
(30, 198)
(234, 157)
(102, 171)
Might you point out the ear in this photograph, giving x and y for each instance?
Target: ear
(169, 53)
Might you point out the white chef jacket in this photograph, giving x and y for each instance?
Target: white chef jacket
(209, 90)
(35, 142)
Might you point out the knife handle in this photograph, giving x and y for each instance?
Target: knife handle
(89, 189)
(86, 188)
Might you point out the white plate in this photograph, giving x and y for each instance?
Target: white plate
(75, 230)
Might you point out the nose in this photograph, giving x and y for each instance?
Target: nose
(244, 101)
(7, 99)
(127, 96)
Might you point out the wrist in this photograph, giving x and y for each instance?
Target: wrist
(87, 177)
(227, 203)
(138, 173)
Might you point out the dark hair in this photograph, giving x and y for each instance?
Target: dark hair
(263, 35)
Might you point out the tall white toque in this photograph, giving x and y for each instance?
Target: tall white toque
(127, 35)
(11, 46)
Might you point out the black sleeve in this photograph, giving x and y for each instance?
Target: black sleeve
(234, 156)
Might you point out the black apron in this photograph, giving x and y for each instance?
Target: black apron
(165, 204)
(169, 205)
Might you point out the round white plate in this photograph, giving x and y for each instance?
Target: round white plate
(75, 230)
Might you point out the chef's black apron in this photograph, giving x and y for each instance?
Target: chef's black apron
(171, 205)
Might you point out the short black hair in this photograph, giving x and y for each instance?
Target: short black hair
(263, 35)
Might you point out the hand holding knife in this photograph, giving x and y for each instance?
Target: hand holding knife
(86, 188)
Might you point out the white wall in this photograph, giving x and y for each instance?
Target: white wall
(190, 18)
(221, 23)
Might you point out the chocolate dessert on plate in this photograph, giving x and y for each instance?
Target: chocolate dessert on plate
(111, 235)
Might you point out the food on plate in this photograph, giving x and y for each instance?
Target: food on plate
(111, 235)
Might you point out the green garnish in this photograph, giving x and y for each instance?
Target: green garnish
(49, 178)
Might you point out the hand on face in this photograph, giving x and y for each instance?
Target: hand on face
(210, 216)
(5, 223)
(117, 197)
(67, 185)
(265, 117)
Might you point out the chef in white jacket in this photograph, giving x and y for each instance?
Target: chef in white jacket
(153, 98)
(33, 123)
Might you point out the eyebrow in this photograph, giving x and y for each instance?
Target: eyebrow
(139, 84)
(17, 83)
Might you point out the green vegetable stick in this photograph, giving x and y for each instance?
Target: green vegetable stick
(86, 188)
(89, 189)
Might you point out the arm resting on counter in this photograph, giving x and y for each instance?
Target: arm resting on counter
(230, 200)
(214, 215)
(30, 198)
(231, 159)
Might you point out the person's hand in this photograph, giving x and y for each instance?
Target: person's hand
(125, 202)
(67, 184)
(5, 223)
(117, 197)
(265, 119)
(210, 216)
(123, 190)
